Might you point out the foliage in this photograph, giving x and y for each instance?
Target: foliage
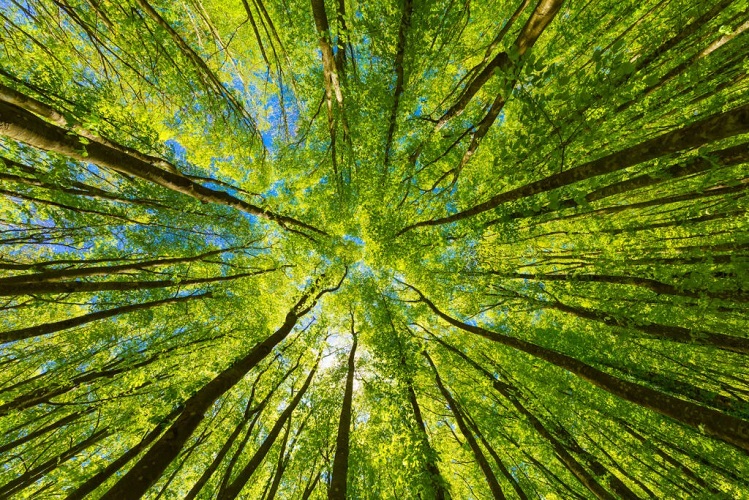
(531, 216)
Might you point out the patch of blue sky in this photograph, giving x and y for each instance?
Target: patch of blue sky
(6, 7)
(277, 188)
(268, 140)
(177, 149)
(354, 239)
(237, 83)
(252, 219)
(419, 111)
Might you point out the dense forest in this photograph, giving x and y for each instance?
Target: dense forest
(404, 249)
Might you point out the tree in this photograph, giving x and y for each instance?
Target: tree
(340, 249)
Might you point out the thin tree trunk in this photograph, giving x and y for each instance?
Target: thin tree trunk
(715, 424)
(500, 465)
(656, 286)
(311, 487)
(509, 393)
(679, 334)
(54, 275)
(280, 466)
(23, 126)
(543, 14)
(477, 453)
(435, 477)
(101, 477)
(150, 467)
(726, 157)
(44, 430)
(235, 488)
(705, 131)
(400, 53)
(32, 475)
(16, 289)
(46, 328)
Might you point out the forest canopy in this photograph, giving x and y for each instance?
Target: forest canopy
(407, 249)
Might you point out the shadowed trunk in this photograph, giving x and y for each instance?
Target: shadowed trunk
(477, 453)
(726, 428)
(46, 328)
(339, 479)
(235, 488)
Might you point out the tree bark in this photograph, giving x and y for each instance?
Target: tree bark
(543, 14)
(509, 393)
(715, 424)
(435, 477)
(16, 289)
(477, 453)
(400, 53)
(46, 328)
(32, 475)
(102, 476)
(150, 467)
(44, 430)
(654, 285)
(705, 131)
(725, 157)
(53, 275)
(339, 479)
(235, 488)
(23, 126)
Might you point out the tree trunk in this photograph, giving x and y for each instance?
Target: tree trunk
(477, 453)
(23, 126)
(509, 393)
(32, 475)
(498, 461)
(723, 427)
(435, 477)
(235, 488)
(46, 328)
(280, 466)
(44, 430)
(16, 289)
(339, 479)
(544, 13)
(101, 477)
(705, 131)
(654, 285)
(54, 275)
(150, 467)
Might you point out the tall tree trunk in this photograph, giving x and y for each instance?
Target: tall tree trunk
(339, 479)
(235, 488)
(102, 476)
(53, 275)
(477, 453)
(44, 430)
(150, 467)
(280, 466)
(16, 289)
(510, 393)
(400, 52)
(497, 460)
(705, 131)
(718, 425)
(433, 472)
(208, 472)
(654, 285)
(34, 474)
(46, 328)
(543, 14)
(23, 126)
